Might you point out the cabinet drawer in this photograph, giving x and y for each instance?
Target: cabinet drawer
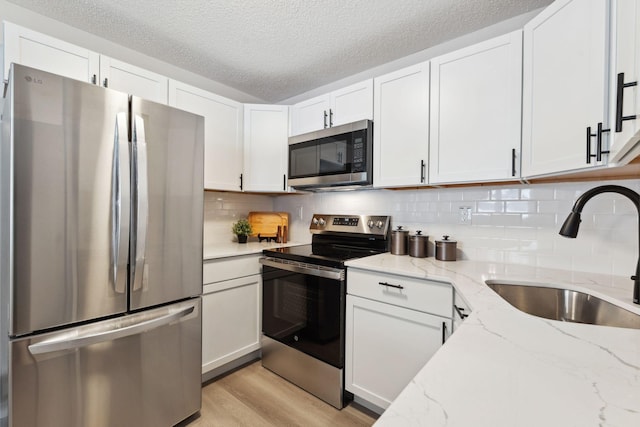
(417, 294)
(221, 269)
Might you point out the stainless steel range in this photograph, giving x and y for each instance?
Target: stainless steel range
(304, 294)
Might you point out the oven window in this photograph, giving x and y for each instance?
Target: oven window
(305, 312)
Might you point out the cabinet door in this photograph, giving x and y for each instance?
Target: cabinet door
(230, 320)
(310, 115)
(401, 135)
(386, 346)
(564, 85)
(265, 147)
(133, 80)
(222, 133)
(625, 47)
(352, 103)
(36, 50)
(481, 87)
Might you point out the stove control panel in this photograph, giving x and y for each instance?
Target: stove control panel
(377, 225)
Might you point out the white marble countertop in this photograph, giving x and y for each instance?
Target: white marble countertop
(503, 367)
(229, 249)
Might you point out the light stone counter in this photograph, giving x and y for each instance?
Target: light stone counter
(230, 249)
(503, 367)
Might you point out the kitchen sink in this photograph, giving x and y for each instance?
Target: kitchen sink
(565, 305)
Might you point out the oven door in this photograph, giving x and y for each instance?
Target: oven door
(304, 307)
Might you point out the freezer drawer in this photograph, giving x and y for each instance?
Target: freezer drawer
(138, 370)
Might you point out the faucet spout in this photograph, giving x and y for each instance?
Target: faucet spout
(572, 223)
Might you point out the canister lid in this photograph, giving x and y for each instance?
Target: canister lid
(445, 240)
(420, 235)
(400, 230)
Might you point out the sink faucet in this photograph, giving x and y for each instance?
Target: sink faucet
(572, 223)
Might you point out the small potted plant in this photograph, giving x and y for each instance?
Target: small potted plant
(242, 229)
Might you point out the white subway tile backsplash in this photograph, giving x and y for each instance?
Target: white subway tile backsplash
(491, 207)
(521, 206)
(538, 220)
(505, 194)
(516, 223)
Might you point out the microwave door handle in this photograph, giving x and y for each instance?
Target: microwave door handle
(120, 204)
(142, 206)
(66, 342)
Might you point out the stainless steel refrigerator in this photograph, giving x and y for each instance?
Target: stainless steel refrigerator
(101, 205)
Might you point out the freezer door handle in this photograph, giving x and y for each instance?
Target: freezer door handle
(142, 206)
(120, 204)
(109, 333)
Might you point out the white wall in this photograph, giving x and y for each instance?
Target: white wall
(511, 223)
(26, 18)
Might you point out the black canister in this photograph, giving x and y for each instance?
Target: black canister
(446, 249)
(399, 240)
(418, 245)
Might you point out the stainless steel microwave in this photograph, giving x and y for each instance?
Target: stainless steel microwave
(339, 156)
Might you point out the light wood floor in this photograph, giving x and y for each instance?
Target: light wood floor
(254, 396)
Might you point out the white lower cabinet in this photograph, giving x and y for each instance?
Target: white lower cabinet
(134, 80)
(231, 307)
(392, 331)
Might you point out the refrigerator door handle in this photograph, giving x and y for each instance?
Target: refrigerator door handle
(67, 342)
(120, 204)
(142, 208)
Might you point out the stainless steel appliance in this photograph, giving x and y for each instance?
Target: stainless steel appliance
(340, 156)
(304, 297)
(101, 256)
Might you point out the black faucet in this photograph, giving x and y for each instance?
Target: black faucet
(572, 223)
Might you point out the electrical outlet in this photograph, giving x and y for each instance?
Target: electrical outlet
(465, 214)
(301, 213)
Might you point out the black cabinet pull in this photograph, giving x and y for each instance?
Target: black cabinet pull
(589, 136)
(284, 182)
(330, 118)
(513, 162)
(94, 79)
(599, 151)
(325, 118)
(444, 332)
(621, 86)
(460, 312)
(240, 182)
(105, 83)
(390, 285)
(422, 171)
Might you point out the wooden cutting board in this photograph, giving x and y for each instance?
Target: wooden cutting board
(266, 224)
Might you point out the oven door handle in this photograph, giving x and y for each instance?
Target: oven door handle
(304, 268)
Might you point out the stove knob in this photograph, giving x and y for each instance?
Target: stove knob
(322, 222)
(315, 221)
(370, 223)
(379, 224)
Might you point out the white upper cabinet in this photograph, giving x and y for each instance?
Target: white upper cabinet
(27, 47)
(310, 115)
(223, 143)
(351, 104)
(625, 75)
(346, 105)
(265, 147)
(475, 112)
(134, 80)
(36, 50)
(565, 87)
(401, 127)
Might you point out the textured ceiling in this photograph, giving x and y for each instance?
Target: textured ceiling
(275, 49)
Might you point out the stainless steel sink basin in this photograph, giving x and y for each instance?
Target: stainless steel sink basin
(565, 305)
